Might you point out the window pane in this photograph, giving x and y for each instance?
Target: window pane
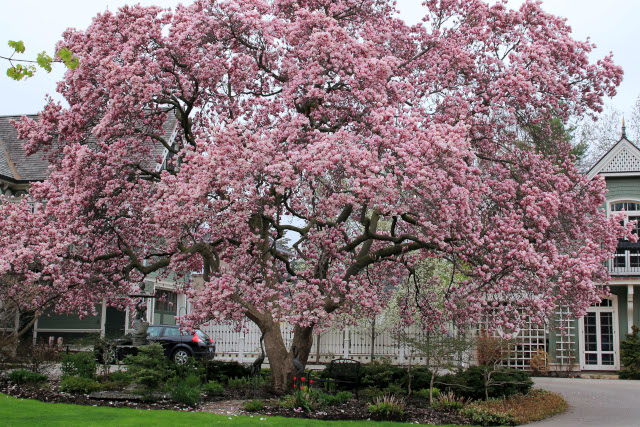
(172, 332)
(154, 332)
(591, 358)
(607, 359)
(606, 331)
(590, 336)
(634, 258)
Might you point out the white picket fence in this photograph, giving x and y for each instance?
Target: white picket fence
(244, 346)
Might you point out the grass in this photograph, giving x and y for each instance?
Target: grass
(535, 406)
(25, 412)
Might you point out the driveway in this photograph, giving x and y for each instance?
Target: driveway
(594, 402)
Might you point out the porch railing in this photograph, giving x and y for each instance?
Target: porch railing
(625, 262)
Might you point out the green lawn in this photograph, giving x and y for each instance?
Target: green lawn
(25, 412)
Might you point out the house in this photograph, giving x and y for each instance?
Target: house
(17, 172)
(606, 324)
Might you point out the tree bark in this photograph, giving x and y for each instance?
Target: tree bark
(281, 358)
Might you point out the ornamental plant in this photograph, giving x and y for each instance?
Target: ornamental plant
(630, 355)
(305, 156)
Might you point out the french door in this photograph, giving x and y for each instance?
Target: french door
(599, 346)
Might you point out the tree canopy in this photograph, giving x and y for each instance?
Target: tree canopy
(369, 143)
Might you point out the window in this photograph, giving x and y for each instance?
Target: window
(154, 332)
(172, 332)
(631, 209)
(166, 307)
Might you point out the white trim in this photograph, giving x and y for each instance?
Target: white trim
(629, 308)
(610, 202)
(619, 174)
(613, 152)
(615, 330)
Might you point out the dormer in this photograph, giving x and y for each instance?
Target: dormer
(622, 160)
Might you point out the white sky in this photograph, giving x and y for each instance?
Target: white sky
(611, 25)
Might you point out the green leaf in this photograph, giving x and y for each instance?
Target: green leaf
(19, 72)
(18, 46)
(65, 54)
(44, 61)
(70, 61)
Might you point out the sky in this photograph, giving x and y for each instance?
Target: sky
(611, 25)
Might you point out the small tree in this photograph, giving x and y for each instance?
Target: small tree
(148, 368)
(440, 351)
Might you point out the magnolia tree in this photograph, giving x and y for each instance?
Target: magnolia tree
(367, 143)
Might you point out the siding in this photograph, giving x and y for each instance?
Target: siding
(623, 325)
(623, 188)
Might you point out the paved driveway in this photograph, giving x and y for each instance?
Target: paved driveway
(594, 402)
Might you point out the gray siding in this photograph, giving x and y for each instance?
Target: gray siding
(623, 188)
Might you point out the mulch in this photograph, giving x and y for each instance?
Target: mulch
(416, 411)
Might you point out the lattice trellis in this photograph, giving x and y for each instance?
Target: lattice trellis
(624, 161)
(565, 333)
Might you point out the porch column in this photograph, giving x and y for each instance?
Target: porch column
(103, 317)
(630, 307)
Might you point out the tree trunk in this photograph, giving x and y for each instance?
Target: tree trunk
(433, 379)
(373, 338)
(281, 358)
(303, 341)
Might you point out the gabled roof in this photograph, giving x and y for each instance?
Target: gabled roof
(17, 167)
(623, 159)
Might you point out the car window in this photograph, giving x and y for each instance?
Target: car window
(172, 332)
(154, 331)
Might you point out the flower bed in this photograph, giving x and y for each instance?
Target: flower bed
(517, 409)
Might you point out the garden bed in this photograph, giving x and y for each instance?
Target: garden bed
(415, 412)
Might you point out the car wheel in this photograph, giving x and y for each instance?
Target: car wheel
(180, 356)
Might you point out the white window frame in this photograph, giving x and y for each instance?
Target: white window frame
(616, 337)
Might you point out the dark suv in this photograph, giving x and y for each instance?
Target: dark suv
(179, 344)
(182, 343)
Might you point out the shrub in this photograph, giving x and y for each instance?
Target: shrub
(371, 393)
(449, 402)
(239, 383)
(22, 376)
(148, 368)
(79, 385)
(540, 362)
(186, 391)
(325, 399)
(420, 378)
(213, 388)
(121, 377)
(191, 367)
(395, 389)
(222, 371)
(79, 365)
(470, 383)
(424, 393)
(630, 355)
(380, 374)
(253, 405)
(535, 406)
(387, 408)
(488, 417)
